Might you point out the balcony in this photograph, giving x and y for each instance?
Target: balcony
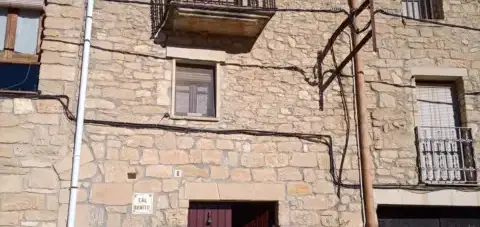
(238, 18)
(446, 155)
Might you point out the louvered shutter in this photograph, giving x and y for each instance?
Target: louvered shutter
(438, 119)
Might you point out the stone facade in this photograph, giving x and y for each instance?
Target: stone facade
(130, 81)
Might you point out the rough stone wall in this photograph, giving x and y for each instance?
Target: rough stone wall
(130, 81)
(35, 134)
(392, 95)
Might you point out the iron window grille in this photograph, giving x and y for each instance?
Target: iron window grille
(446, 155)
(423, 9)
(445, 149)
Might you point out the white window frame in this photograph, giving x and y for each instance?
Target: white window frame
(217, 82)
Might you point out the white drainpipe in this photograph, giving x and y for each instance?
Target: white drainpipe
(80, 115)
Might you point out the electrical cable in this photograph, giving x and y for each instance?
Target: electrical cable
(384, 12)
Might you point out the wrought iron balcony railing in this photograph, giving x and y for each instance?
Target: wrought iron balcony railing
(160, 8)
(446, 155)
(237, 3)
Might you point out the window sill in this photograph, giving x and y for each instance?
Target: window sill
(193, 118)
(2, 91)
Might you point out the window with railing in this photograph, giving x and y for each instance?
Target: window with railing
(423, 9)
(446, 154)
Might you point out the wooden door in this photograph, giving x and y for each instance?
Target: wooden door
(209, 215)
(232, 214)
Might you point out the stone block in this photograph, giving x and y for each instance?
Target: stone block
(116, 171)
(173, 157)
(193, 171)
(299, 188)
(114, 220)
(111, 193)
(40, 215)
(170, 185)
(23, 106)
(176, 217)
(8, 120)
(139, 141)
(149, 157)
(276, 159)
(240, 174)
(159, 171)
(219, 172)
(290, 146)
(11, 183)
(185, 142)
(85, 215)
(43, 178)
(264, 147)
(22, 201)
(64, 195)
(66, 163)
(48, 106)
(163, 202)
(201, 191)
(269, 192)
(304, 159)
(225, 145)
(212, 157)
(94, 103)
(205, 144)
(6, 106)
(236, 191)
(8, 218)
(129, 154)
(152, 185)
(87, 171)
(289, 174)
(253, 160)
(15, 135)
(48, 119)
(264, 175)
(58, 72)
(307, 218)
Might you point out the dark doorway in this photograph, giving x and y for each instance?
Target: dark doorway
(232, 214)
(424, 216)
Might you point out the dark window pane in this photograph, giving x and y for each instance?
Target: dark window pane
(19, 77)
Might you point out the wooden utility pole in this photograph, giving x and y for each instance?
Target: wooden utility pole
(364, 140)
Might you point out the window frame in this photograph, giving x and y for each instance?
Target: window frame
(8, 55)
(216, 90)
(428, 9)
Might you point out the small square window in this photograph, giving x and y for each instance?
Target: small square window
(195, 90)
(423, 9)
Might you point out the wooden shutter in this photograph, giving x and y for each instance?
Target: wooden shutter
(437, 105)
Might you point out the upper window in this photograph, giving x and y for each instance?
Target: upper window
(195, 90)
(19, 48)
(445, 148)
(423, 9)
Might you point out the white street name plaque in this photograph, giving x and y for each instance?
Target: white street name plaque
(142, 203)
